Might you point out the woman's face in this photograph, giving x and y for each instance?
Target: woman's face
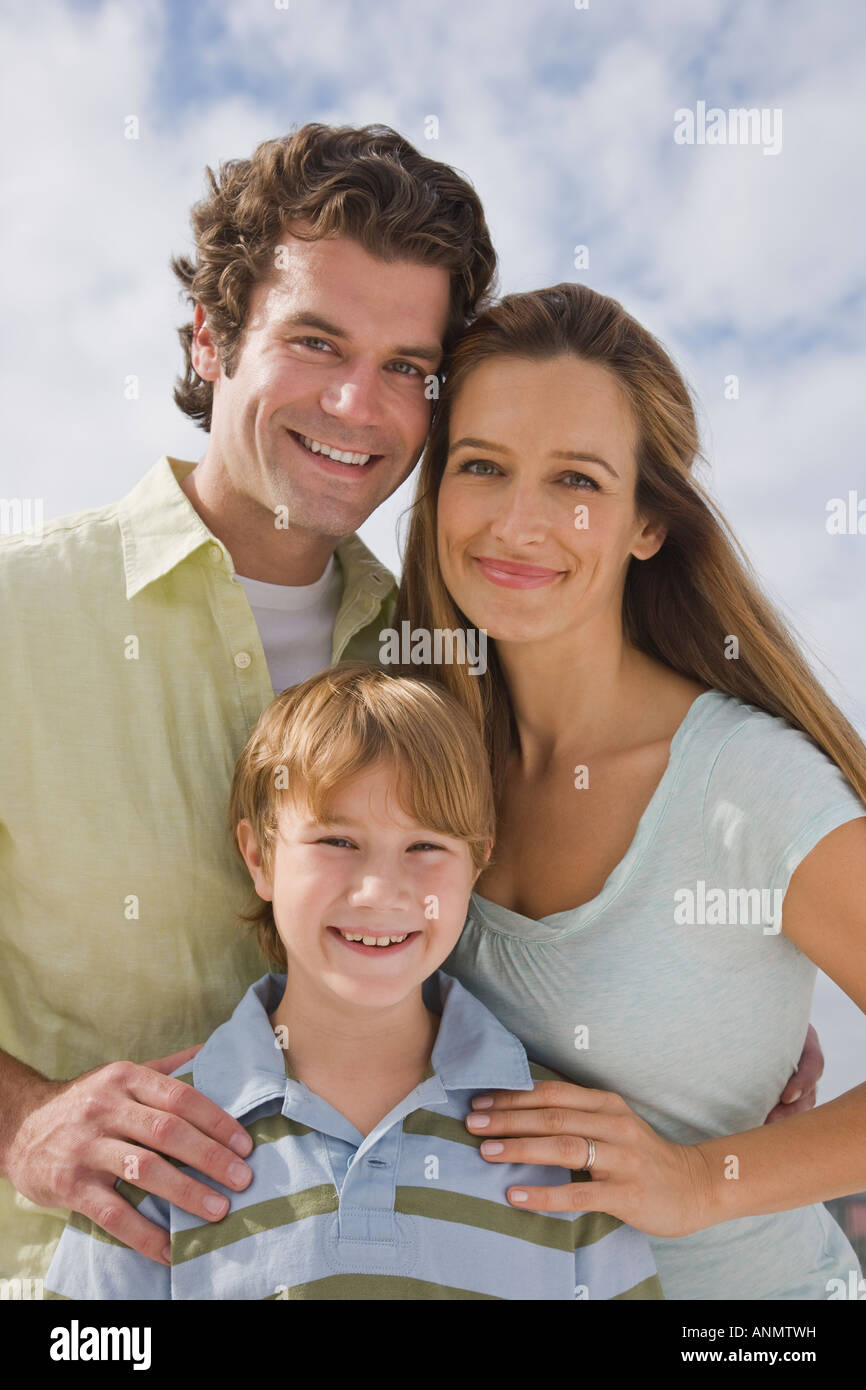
(536, 515)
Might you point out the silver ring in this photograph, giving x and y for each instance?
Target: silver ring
(590, 1159)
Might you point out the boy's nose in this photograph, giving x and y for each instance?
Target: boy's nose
(376, 888)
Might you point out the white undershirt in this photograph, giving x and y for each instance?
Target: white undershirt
(296, 623)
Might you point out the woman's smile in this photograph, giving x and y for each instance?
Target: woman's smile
(513, 575)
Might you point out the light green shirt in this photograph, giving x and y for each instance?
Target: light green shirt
(132, 673)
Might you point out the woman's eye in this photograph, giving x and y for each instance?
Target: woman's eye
(470, 466)
(583, 477)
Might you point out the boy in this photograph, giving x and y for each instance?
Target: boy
(363, 809)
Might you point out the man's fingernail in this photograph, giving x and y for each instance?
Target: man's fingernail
(239, 1174)
(166, 1254)
(241, 1144)
(215, 1205)
(478, 1121)
(482, 1102)
(518, 1195)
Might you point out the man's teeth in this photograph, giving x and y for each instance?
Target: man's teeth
(373, 940)
(341, 457)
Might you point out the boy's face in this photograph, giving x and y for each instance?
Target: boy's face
(373, 873)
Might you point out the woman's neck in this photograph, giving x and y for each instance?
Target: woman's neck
(569, 694)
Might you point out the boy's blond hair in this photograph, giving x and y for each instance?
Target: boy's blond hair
(316, 735)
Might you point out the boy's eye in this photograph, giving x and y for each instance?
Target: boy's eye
(335, 840)
(426, 844)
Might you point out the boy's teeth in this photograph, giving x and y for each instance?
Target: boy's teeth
(374, 940)
(341, 457)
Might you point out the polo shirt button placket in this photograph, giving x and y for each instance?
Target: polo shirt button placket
(366, 1211)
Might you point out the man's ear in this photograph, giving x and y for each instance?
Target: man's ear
(203, 350)
(650, 540)
(253, 860)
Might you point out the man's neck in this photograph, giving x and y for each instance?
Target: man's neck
(259, 549)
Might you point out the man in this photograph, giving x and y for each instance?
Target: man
(142, 640)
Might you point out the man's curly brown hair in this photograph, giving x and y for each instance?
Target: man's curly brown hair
(369, 184)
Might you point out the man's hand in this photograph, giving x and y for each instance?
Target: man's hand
(74, 1138)
(800, 1093)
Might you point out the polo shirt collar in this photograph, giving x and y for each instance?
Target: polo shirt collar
(160, 528)
(242, 1065)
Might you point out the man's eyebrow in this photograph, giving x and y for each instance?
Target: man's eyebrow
(468, 441)
(428, 352)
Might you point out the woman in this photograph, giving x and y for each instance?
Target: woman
(670, 776)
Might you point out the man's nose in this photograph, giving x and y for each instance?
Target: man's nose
(355, 397)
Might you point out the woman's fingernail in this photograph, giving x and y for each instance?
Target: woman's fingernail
(795, 1096)
(482, 1102)
(492, 1146)
(478, 1121)
(518, 1195)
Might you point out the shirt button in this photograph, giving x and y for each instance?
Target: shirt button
(242, 660)
(216, 554)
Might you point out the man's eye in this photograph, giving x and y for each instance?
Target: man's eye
(412, 370)
(308, 342)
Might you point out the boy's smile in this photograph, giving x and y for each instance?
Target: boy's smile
(372, 942)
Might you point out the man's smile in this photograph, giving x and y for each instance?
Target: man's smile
(346, 458)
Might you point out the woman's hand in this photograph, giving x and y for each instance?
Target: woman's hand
(801, 1092)
(661, 1188)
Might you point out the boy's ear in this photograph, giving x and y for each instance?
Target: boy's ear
(487, 854)
(253, 860)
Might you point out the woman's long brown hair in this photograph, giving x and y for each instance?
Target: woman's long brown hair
(679, 606)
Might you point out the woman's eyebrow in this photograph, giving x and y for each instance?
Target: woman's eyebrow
(572, 455)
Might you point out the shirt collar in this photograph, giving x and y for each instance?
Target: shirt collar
(242, 1065)
(160, 527)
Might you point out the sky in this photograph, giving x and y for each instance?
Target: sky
(745, 259)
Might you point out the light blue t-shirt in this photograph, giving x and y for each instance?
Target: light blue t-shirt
(695, 1007)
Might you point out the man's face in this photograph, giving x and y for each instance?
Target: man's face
(335, 352)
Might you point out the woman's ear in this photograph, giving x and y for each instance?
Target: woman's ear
(649, 541)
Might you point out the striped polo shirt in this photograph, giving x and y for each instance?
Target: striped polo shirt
(412, 1211)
